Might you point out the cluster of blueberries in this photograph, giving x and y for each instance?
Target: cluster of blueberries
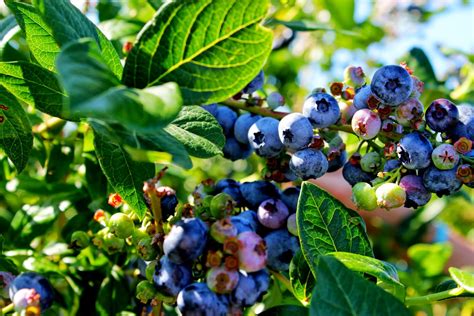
(410, 154)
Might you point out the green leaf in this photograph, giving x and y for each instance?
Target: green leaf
(113, 294)
(419, 61)
(198, 131)
(16, 138)
(285, 310)
(119, 28)
(37, 33)
(8, 265)
(309, 26)
(340, 292)
(451, 285)
(69, 24)
(155, 3)
(463, 278)
(301, 278)
(325, 225)
(211, 48)
(34, 85)
(386, 273)
(95, 92)
(124, 175)
(430, 259)
(342, 12)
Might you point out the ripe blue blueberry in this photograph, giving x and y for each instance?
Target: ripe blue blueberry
(31, 280)
(197, 299)
(361, 97)
(230, 187)
(275, 100)
(245, 221)
(168, 203)
(242, 126)
(466, 116)
(290, 197)
(250, 288)
(170, 278)
(441, 182)
(234, 150)
(441, 115)
(211, 108)
(226, 118)
(263, 137)
(353, 174)
(256, 192)
(414, 151)
(295, 131)
(272, 213)
(255, 84)
(336, 160)
(322, 109)
(309, 163)
(391, 164)
(417, 195)
(281, 247)
(186, 240)
(392, 84)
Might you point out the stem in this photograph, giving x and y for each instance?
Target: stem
(341, 128)
(7, 309)
(283, 280)
(51, 124)
(428, 299)
(253, 109)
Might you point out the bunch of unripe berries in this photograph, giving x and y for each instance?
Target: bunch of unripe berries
(409, 154)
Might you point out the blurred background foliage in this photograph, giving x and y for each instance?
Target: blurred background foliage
(314, 41)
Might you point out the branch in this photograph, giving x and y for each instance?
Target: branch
(242, 105)
(431, 298)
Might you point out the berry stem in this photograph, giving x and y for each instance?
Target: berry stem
(280, 277)
(428, 299)
(341, 128)
(253, 108)
(7, 309)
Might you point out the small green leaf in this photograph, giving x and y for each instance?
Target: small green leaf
(386, 273)
(95, 92)
(463, 278)
(198, 131)
(38, 34)
(451, 285)
(211, 48)
(430, 259)
(124, 175)
(309, 26)
(120, 28)
(34, 85)
(301, 278)
(340, 292)
(285, 310)
(325, 225)
(8, 265)
(69, 24)
(16, 138)
(419, 61)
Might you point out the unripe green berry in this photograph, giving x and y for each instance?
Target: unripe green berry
(291, 224)
(371, 162)
(390, 195)
(150, 270)
(139, 234)
(445, 157)
(121, 225)
(146, 249)
(145, 291)
(80, 239)
(364, 196)
(113, 244)
(221, 205)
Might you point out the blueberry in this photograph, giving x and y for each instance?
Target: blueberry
(445, 157)
(221, 280)
(211, 108)
(290, 197)
(186, 240)
(272, 213)
(255, 84)
(222, 229)
(361, 98)
(170, 278)
(232, 188)
(121, 225)
(168, 203)
(226, 118)
(391, 164)
(336, 161)
(275, 100)
(256, 192)
(409, 112)
(354, 174)
(250, 288)
(441, 115)
(366, 124)
(281, 247)
(31, 280)
(457, 131)
(321, 109)
(414, 151)
(371, 162)
(197, 299)
(417, 195)
(291, 225)
(242, 126)
(263, 137)
(233, 150)
(295, 131)
(363, 196)
(441, 182)
(390, 195)
(252, 252)
(392, 84)
(466, 116)
(309, 163)
(245, 221)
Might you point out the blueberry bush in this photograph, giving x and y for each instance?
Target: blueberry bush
(151, 165)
